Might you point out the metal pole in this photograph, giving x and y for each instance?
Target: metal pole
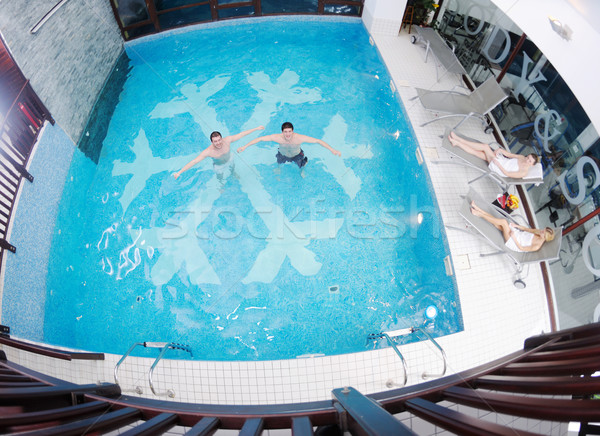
(585, 219)
(46, 17)
(511, 58)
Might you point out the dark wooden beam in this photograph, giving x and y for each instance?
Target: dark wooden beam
(79, 410)
(582, 366)
(50, 352)
(548, 409)
(457, 422)
(540, 385)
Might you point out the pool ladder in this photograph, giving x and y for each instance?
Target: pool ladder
(389, 336)
(164, 346)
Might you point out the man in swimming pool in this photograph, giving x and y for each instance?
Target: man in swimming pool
(219, 150)
(289, 145)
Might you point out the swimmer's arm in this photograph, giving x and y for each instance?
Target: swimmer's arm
(191, 163)
(304, 138)
(234, 138)
(267, 138)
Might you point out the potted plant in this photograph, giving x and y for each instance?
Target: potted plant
(422, 9)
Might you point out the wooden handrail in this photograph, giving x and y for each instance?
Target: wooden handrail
(101, 424)
(529, 407)
(456, 422)
(561, 385)
(57, 391)
(585, 365)
(6, 118)
(578, 332)
(584, 351)
(230, 416)
(349, 411)
(28, 418)
(50, 352)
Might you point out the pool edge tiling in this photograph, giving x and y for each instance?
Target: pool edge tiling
(497, 317)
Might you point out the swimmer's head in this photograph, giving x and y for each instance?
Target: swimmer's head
(548, 234)
(216, 139)
(287, 129)
(532, 159)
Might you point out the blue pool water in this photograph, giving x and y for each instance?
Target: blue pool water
(257, 262)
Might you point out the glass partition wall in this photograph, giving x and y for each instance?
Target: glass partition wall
(542, 116)
(142, 17)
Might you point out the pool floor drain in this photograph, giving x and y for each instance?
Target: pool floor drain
(334, 289)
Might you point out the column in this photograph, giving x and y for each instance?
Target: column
(383, 17)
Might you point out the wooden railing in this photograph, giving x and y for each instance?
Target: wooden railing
(49, 351)
(524, 384)
(20, 125)
(214, 10)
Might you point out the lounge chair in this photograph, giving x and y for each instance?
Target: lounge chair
(443, 54)
(535, 174)
(486, 231)
(456, 104)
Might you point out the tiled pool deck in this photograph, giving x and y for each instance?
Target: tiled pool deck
(497, 316)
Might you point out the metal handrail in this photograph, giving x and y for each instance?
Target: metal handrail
(375, 336)
(170, 392)
(138, 389)
(425, 375)
(47, 16)
(164, 347)
(405, 332)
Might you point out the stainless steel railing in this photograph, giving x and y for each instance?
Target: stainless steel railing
(47, 16)
(390, 336)
(164, 347)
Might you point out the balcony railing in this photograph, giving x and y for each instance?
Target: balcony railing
(20, 125)
(549, 383)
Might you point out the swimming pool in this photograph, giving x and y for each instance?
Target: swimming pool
(254, 263)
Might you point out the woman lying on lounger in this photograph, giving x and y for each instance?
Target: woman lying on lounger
(501, 162)
(516, 238)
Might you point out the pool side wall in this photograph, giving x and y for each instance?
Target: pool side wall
(68, 60)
